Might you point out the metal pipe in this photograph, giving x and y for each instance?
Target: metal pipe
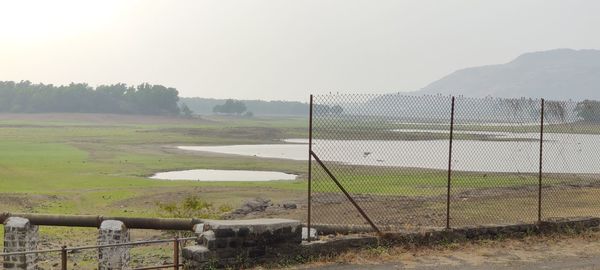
(541, 163)
(137, 243)
(157, 267)
(310, 127)
(95, 221)
(450, 165)
(30, 252)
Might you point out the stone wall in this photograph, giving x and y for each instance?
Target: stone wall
(242, 242)
(433, 237)
(238, 244)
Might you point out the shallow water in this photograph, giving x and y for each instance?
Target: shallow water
(563, 153)
(223, 175)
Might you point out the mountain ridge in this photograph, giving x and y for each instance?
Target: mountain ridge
(554, 74)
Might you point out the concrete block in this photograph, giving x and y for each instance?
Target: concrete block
(113, 258)
(20, 235)
(305, 234)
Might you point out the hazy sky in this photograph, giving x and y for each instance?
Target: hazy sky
(279, 49)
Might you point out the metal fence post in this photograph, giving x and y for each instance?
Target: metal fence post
(541, 162)
(450, 165)
(310, 127)
(63, 257)
(176, 253)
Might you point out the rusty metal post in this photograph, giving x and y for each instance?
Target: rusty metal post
(450, 164)
(541, 163)
(310, 126)
(176, 253)
(63, 257)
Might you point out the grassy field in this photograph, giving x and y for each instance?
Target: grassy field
(99, 165)
(90, 163)
(80, 164)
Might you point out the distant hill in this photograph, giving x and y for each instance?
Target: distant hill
(556, 74)
(257, 107)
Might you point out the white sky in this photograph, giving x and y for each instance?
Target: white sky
(279, 49)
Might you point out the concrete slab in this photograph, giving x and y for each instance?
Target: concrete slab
(255, 225)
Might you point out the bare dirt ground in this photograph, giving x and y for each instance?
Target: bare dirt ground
(414, 213)
(233, 197)
(581, 251)
(468, 207)
(548, 252)
(24, 202)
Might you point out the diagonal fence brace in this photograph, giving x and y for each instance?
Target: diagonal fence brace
(360, 210)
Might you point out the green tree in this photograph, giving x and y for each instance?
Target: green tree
(337, 109)
(230, 107)
(588, 110)
(328, 110)
(185, 110)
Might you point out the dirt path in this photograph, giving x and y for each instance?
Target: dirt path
(547, 252)
(573, 263)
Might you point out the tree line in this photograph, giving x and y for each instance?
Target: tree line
(230, 106)
(27, 97)
(257, 107)
(589, 110)
(328, 110)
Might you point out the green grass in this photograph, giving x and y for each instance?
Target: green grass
(89, 167)
(79, 165)
(422, 182)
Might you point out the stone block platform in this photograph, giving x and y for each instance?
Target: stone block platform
(242, 242)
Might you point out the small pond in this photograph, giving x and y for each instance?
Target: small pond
(224, 175)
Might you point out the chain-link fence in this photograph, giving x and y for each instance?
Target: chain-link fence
(415, 162)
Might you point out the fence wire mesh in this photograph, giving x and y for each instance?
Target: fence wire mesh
(391, 153)
(572, 159)
(496, 161)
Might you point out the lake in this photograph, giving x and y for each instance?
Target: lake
(563, 153)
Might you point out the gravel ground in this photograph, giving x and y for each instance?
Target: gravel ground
(575, 263)
(577, 251)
